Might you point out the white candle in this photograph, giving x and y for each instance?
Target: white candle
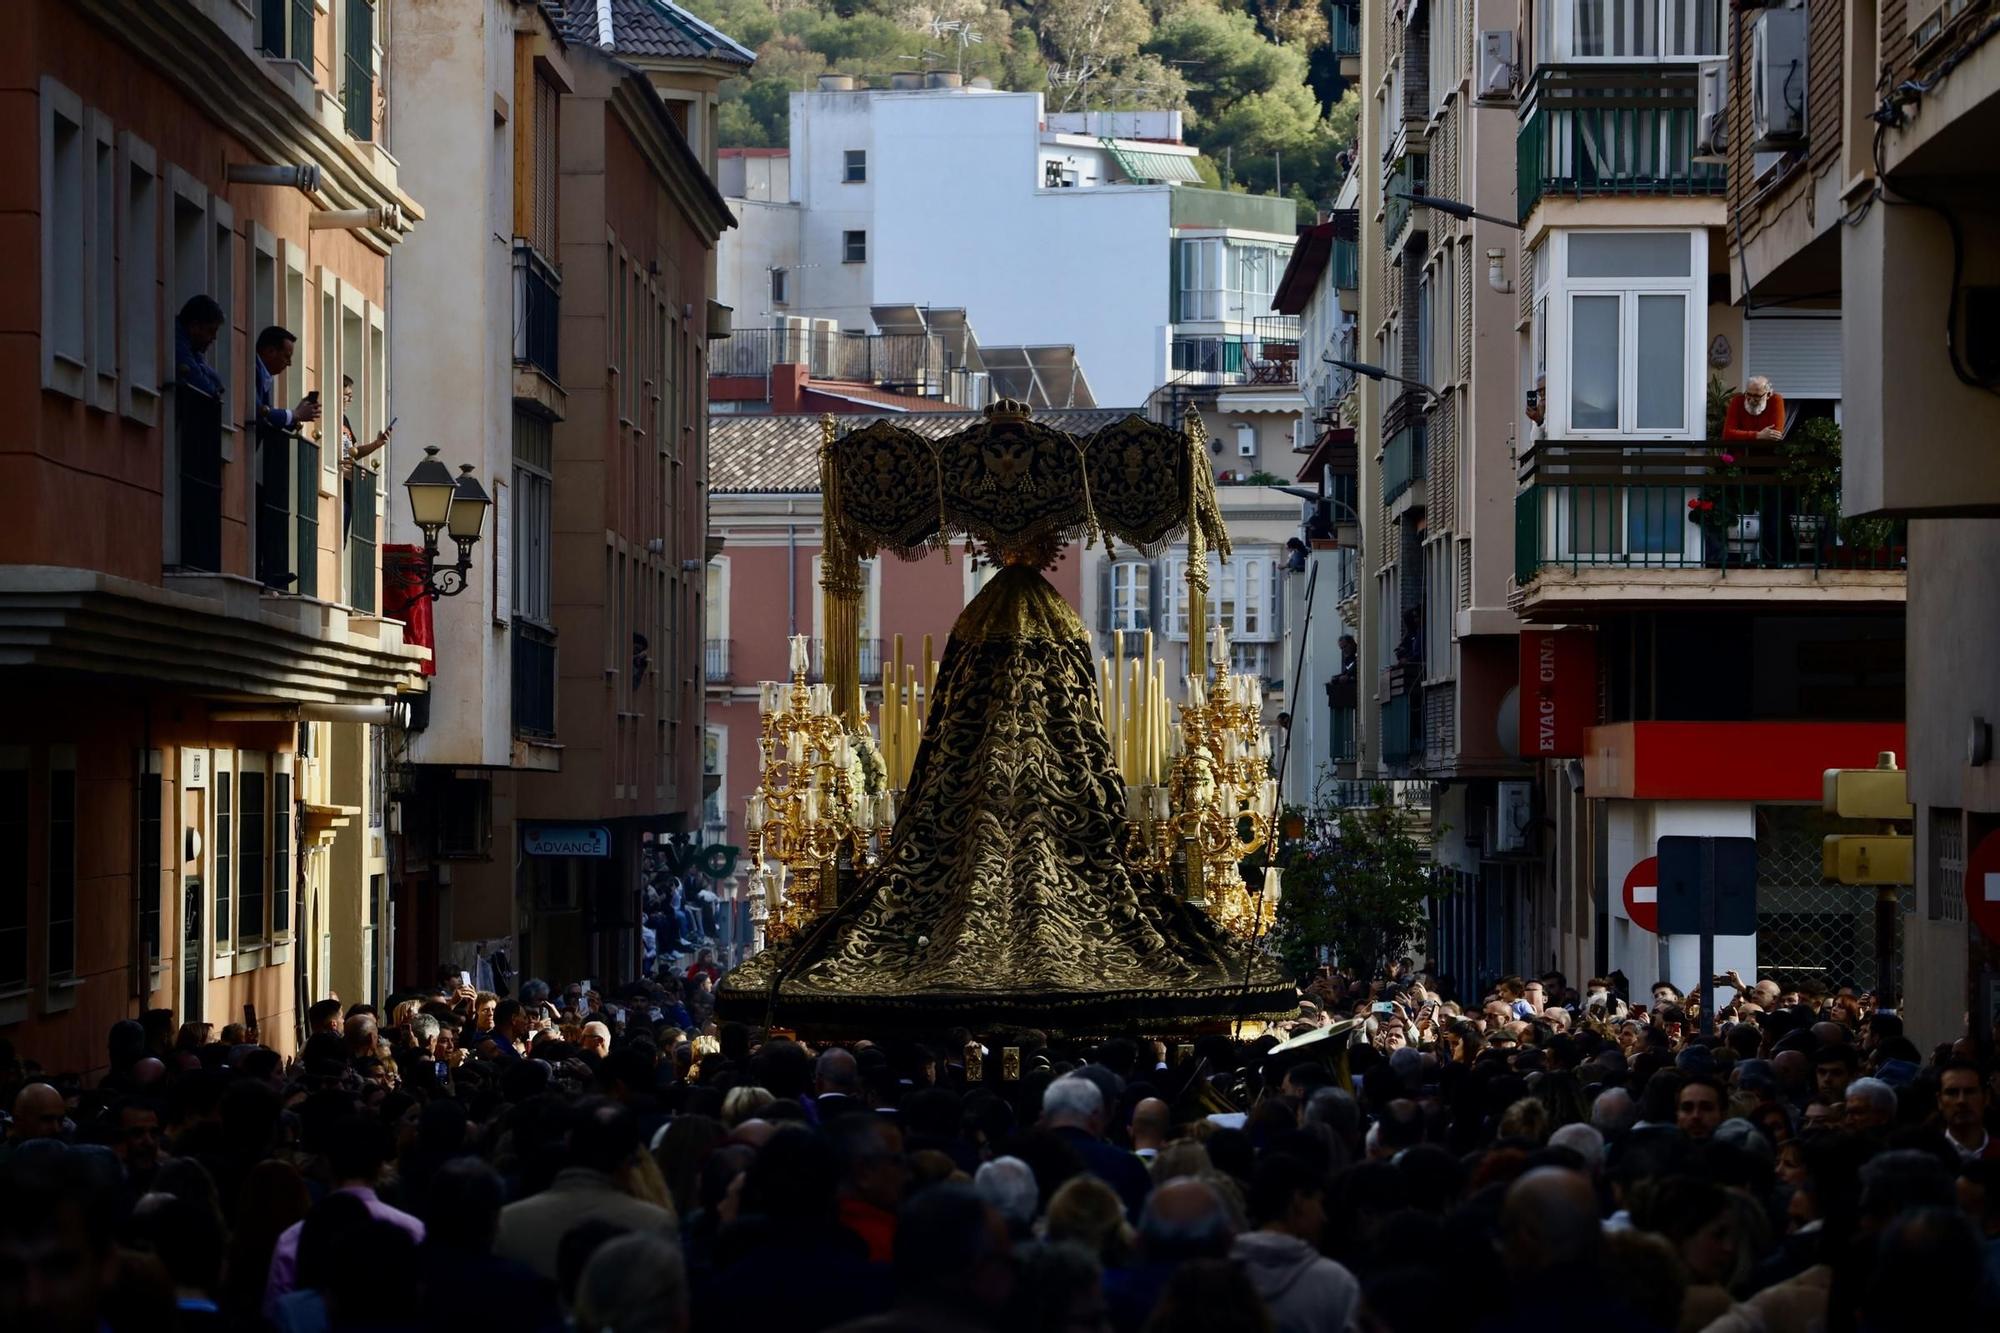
(1274, 886)
(842, 752)
(1218, 652)
(885, 810)
(864, 814)
(812, 805)
(1269, 797)
(753, 818)
(785, 697)
(795, 748)
(767, 697)
(1197, 692)
(1162, 804)
(801, 653)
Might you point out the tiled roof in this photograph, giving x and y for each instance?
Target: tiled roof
(657, 29)
(768, 452)
(848, 391)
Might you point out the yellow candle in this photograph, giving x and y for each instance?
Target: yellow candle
(930, 667)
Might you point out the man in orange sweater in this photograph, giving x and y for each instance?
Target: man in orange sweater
(1754, 414)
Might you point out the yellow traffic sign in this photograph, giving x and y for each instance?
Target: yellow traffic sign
(1869, 858)
(1882, 792)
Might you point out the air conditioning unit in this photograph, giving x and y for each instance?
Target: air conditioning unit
(1711, 116)
(1497, 69)
(1778, 80)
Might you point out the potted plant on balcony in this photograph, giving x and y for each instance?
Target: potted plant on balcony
(1719, 508)
(1811, 467)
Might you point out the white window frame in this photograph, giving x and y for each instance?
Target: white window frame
(278, 824)
(263, 247)
(1131, 596)
(327, 331)
(1201, 284)
(720, 736)
(139, 315)
(715, 598)
(66, 251)
(1563, 290)
(850, 158)
(222, 286)
(1252, 579)
(294, 314)
(221, 949)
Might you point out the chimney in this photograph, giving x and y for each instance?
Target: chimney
(836, 83)
(906, 81)
(943, 78)
(981, 82)
(788, 384)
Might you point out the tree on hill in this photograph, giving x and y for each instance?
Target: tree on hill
(1251, 75)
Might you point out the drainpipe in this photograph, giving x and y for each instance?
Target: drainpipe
(792, 575)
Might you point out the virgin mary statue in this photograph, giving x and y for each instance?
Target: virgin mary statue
(1004, 896)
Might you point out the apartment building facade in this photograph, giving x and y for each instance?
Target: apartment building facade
(611, 520)
(1702, 635)
(1895, 170)
(1436, 684)
(204, 677)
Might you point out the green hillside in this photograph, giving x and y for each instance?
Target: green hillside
(1261, 88)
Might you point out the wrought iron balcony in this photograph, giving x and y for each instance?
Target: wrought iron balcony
(534, 680)
(871, 661)
(1406, 437)
(715, 660)
(198, 441)
(1599, 129)
(1588, 506)
(1410, 175)
(537, 310)
(1238, 358)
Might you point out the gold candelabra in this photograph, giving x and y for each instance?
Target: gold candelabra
(818, 794)
(1217, 802)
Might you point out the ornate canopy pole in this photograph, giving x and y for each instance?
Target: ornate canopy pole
(1197, 561)
(840, 581)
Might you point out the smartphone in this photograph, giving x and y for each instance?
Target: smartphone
(464, 977)
(250, 1017)
(312, 395)
(391, 426)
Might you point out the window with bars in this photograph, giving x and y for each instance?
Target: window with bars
(251, 870)
(59, 888)
(281, 855)
(534, 516)
(1947, 870)
(224, 897)
(149, 863)
(13, 868)
(358, 82)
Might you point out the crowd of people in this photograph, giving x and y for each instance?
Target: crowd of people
(1539, 1157)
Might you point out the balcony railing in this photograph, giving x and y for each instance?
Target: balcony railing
(534, 680)
(1346, 261)
(1599, 129)
(362, 571)
(871, 661)
(198, 441)
(287, 511)
(1406, 434)
(1402, 728)
(1411, 175)
(1346, 30)
(537, 309)
(1237, 359)
(1672, 508)
(1344, 724)
(919, 363)
(715, 660)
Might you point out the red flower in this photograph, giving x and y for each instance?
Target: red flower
(1729, 458)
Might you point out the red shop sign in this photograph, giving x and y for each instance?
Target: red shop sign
(1558, 692)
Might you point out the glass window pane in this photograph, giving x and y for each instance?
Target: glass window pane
(1593, 362)
(1662, 349)
(1645, 254)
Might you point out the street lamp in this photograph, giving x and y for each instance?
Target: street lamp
(441, 503)
(1369, 371)
(1462, 212)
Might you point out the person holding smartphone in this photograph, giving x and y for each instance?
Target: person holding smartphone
(275, 348)
(352, 451)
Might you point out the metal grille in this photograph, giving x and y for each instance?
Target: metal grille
(1464, 547)
(1464, 313)
(1440, 725)
(1947, 869)
(1441, 501)
(1809, 931)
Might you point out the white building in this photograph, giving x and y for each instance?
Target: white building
(1046, 230)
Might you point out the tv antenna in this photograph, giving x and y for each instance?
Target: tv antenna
(959, 32)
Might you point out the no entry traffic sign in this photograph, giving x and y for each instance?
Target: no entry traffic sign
(1982, 886)
(1642, 894)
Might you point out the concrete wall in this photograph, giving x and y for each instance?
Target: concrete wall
(766, 236)
(452, 339)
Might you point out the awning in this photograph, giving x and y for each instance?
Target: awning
(1140, 164)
